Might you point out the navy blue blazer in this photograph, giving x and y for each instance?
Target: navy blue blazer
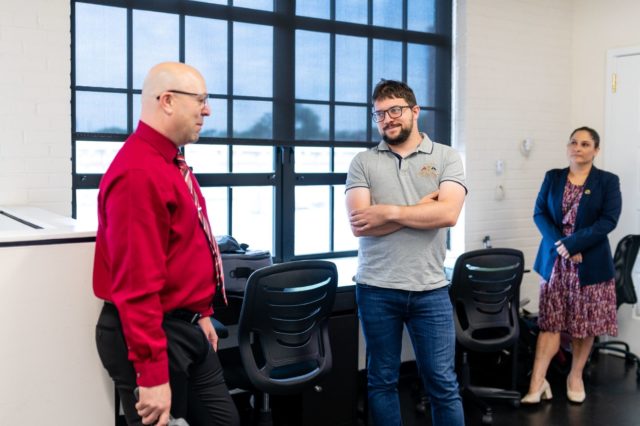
(597, 215)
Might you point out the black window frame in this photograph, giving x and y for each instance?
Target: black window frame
(285, 23)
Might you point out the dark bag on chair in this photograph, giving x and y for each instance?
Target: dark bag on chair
(238, 262)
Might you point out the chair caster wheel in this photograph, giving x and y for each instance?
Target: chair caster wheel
(487, 419)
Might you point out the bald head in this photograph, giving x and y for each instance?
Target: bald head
(166, 109)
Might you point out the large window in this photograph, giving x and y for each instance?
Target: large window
(289, 85)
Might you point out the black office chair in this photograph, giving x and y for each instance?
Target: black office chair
(623, 260)
(485, 287)
(283, 334)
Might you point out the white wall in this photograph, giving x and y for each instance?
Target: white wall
(35, 112)
(599, 25)
(513, 75)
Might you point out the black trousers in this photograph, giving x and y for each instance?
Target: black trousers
(198, 391)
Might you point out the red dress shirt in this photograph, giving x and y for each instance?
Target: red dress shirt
(152, 255)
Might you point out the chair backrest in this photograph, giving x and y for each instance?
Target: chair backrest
(485, 288)
(623, 261)
(283, 333)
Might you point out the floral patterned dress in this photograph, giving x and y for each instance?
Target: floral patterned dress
(565, 305)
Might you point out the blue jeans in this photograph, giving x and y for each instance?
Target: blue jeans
(428, 316)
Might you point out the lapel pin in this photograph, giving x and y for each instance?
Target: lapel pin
(587, 191)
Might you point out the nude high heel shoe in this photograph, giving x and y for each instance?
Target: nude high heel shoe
(573, 396)
(534, 397)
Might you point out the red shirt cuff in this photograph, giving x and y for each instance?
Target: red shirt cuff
(150, 374)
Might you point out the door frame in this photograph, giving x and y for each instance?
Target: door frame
(612, 55)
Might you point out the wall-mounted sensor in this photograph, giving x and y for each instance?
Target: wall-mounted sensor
(499, 167)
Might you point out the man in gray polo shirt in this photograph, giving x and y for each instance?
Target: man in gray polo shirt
(401, 197)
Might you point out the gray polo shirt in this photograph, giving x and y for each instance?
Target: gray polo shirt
(408, 259)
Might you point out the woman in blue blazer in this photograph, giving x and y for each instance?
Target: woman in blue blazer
(575, 210)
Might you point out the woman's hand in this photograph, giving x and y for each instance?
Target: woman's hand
(562, 250)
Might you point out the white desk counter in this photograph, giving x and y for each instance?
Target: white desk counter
(50, 370)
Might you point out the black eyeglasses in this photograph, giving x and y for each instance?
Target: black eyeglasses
(394, 112)
(203, 99)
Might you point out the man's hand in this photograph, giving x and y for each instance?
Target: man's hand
(154, 404)
(370, 217)
(209, 331)
(576, 258)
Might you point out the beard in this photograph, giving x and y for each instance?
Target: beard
(401, 138)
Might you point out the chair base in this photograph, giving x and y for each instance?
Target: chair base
(617, 347)
(477, 394)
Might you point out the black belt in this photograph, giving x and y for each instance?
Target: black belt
(185, 315)
(181, 314)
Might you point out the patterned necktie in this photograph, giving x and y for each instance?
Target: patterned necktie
(213, 245)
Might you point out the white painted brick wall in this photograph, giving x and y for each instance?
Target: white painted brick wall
(35, 114)
(514, 81)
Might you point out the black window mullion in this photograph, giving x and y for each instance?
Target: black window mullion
(130, 122)
(284, 116)
(74, 188)
(230, 112)
(181, 37)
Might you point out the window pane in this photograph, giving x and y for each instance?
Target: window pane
(343, 157)
(205, 39)
(312, 122)
(421, 15)
(207, 158)
(87, 207)
(426, 123)
(312, 220)
(252, 159)
(421, 72)
(101, 46)
(255, 4)
(313, 160)
(253, 216)
(216, 124)
(155, 39)
(101, 112)
(252, 60)
(343, 238)
(375, 134)
(95, 157)
(217, 207)
(387, 60)
(214, 1)
(351, 11)
(351, 123)
(312, 65)
(313, 8)
(387, 13)
(252, 120)
(351, 69)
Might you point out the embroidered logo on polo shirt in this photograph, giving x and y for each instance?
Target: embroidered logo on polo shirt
(428, 170)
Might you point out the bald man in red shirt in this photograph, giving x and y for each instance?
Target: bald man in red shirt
(154, 265)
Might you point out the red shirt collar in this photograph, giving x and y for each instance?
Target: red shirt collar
(157, 140)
